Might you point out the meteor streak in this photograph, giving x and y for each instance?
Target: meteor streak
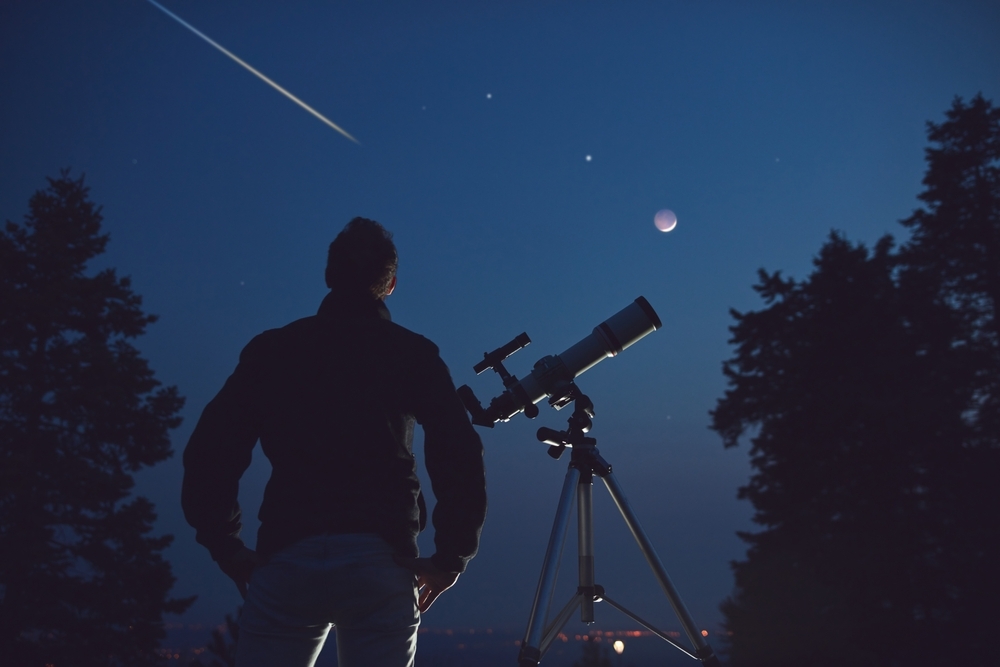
(252, 70)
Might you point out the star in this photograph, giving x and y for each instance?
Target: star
(588, 158)
(489, 96)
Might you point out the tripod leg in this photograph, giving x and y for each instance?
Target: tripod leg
(705, 653)
(585, 533)
(558, 623)
(547, 580)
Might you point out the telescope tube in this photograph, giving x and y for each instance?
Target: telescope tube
(612, 336)
(608, 339)
(553, 375)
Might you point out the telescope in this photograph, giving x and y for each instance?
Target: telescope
(553, 376)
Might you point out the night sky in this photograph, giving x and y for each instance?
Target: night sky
(762, 125)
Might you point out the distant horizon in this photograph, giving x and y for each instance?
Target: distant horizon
(433, 642)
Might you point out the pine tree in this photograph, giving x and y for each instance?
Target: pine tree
(81, 579)
(868, 392)
(223, 644)
(953, 259)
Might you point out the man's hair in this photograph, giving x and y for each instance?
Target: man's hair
(362, 258)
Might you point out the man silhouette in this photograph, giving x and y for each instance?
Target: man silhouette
(333, 399)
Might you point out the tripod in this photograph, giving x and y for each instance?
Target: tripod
(586, 462)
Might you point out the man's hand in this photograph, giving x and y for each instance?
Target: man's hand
(431, 581)
(239, 566)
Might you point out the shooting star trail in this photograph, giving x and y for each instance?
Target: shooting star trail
(253, 71)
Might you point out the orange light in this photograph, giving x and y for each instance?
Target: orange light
(704, 633)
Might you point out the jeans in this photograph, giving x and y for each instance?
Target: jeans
(349, 582)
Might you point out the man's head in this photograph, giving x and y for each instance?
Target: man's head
(362, 258)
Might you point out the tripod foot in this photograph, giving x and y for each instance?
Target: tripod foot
(529, 657)
(708, 658)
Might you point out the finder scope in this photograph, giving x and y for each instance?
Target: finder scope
(552, 376)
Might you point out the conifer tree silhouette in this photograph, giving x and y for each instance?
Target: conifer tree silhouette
(82, 581)
(870, 393)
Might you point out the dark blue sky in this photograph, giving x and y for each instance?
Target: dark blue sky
(763, 125)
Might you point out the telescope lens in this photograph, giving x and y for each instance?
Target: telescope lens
(629, 325)
(650, 313)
